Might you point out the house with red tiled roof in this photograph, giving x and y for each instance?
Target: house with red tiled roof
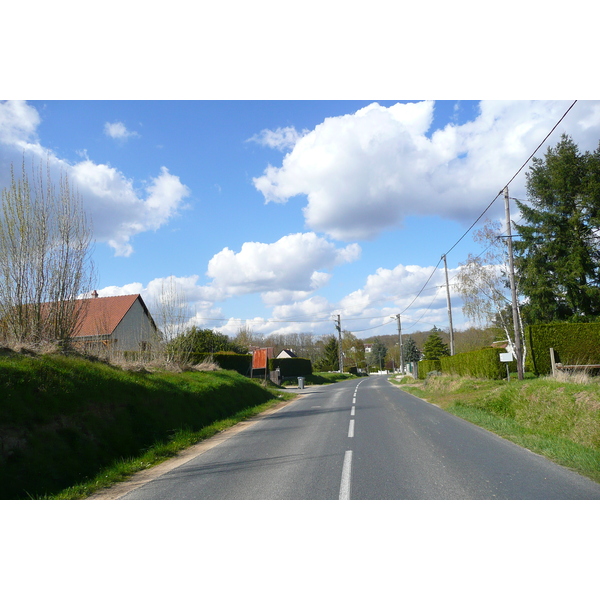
(116, 323)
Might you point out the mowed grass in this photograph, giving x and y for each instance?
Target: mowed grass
(64, 420)
(559, 419)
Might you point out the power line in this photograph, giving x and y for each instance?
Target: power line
(423, 288)
(418, 294)
(513, 177)
(494, 200)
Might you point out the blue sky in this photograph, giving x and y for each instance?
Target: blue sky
(284, 166)
(277, 215)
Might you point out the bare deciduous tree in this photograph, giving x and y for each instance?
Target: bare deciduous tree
(45, 258)
(171, 313)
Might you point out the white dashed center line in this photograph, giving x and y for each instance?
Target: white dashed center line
(346, 476)
(347, 467)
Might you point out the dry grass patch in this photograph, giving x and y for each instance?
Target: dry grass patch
(556, 417)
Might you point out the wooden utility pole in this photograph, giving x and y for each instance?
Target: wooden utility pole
(449, 308)
(400, 345)
(338, 326)
(513, 289)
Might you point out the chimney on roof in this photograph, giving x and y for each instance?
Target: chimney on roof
(94, 294)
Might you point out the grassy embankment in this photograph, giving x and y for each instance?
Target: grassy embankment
(70, 426)
(559, 419)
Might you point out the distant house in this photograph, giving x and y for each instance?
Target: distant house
(368, 348)
(116, 323)
(287, 354)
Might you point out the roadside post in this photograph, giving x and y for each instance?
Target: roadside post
(507, 357)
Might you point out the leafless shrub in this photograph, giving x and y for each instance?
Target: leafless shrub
(207, 365)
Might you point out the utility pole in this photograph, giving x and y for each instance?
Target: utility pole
(338, 326)
(400, 345)
(513, 289)
(449, 308)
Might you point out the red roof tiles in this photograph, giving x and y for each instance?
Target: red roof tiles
(100, 316)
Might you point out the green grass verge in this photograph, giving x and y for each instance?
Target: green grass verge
(122, 469)
(556, 419)
(65, 419)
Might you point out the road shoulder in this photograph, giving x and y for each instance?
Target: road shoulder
(143, 477)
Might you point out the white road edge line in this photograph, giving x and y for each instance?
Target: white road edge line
(351, 428)
(346, 476)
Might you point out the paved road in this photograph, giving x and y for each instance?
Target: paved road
(365, 439)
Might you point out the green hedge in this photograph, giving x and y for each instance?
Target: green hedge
(291, 367)
(573, 343)
(242, 363)
(484, 364)
(427, 366)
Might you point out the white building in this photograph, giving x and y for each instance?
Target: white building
(116, 323)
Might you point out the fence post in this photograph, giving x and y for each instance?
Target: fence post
(553, 362)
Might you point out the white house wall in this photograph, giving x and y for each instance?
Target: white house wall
(134, 329)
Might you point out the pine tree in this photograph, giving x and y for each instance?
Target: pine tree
(330, 361)
(557, 256)
(411, 352)
(434, 347)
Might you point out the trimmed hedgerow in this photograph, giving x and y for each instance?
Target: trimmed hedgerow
(484, 364)
(229, 361)
(428, 366)
(291, 367)
(573, 343)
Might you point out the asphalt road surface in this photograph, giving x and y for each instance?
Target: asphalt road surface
(365, 439)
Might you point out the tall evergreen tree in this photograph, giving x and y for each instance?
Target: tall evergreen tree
(330, 361)
(411, 352)
(435, 347)
(558, 255)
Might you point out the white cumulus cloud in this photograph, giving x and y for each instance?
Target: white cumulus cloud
(296, 263)
(18, 122)
(117, 210)
(365, 172)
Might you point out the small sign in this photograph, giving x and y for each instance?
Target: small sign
(506, 357)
